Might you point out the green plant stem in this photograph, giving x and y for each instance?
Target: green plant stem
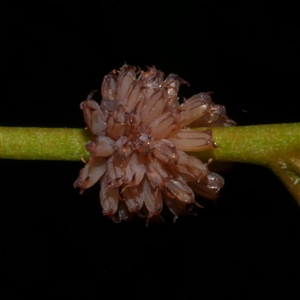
(276, 146)
(31, 143)
(253, 144)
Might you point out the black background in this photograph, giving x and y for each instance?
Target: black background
(56, 242)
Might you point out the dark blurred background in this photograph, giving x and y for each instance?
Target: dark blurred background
(55, 242)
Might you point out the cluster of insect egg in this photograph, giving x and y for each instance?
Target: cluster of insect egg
(140, 139)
